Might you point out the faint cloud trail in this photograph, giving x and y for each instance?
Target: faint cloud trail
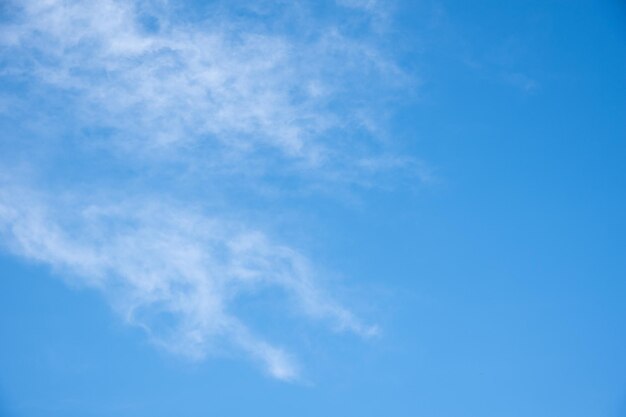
(157, 262)
(226, 94)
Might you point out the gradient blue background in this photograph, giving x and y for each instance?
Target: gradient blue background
(500, 288)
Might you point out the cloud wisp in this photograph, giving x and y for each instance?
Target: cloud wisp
(172, 271)
(252, 91)
(222, 86)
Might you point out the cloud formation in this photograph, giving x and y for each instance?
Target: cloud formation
(170, 270)
(225, 85)
(246, 90)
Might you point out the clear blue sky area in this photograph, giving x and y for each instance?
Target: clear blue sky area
(480, 272)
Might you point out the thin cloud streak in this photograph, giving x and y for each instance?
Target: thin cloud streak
(219, 84)
(225, 94)
(164, 264)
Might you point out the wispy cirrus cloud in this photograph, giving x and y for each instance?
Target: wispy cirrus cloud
(171, 270)
(224, 84)
(242, 91)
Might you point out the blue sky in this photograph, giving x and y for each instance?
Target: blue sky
(349, 207)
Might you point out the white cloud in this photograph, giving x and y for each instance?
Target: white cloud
(218, 81)
(172, 271)
(224, 93)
